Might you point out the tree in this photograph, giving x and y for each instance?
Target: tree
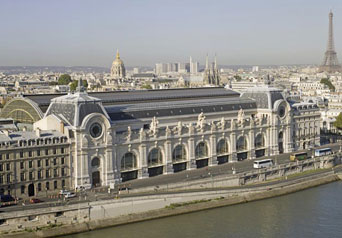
(53, 83)
(64, 79)
(338, 122)
(237, 77)
(327, 82)
(74, 84)
(146, 86)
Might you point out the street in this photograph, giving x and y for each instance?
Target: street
(183, 176)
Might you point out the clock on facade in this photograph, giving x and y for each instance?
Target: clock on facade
(95, 130)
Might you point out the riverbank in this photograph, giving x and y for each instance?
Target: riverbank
(183, 203)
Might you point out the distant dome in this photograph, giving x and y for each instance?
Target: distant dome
(118, 68)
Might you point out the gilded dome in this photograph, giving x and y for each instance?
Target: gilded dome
(117, 60)
(118, 68)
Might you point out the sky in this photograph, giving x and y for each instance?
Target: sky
(240, 32)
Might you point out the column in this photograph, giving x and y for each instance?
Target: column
(233, 146)
(143, 170)
(213, 156)
(168, 168)
(252, 144)
(112, 172)
(192, 159)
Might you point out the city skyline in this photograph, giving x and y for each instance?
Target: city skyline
(246, 33)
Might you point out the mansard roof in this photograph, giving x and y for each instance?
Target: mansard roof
(138, 96)
(265, 96)
(178, 108)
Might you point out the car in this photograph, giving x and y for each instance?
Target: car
(70, 195)
(6, 198)
(35, 200)
(63, 192)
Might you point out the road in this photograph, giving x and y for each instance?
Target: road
(183, 176)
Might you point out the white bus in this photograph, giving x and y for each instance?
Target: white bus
(324, 151)
(262, 163)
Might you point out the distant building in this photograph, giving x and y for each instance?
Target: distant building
(118, 68)
(136, 70)
(161, 68)
(255, 69)
(211, 75)
(144, 76)
(193, 67)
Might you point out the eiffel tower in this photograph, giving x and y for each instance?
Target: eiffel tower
(330, 63)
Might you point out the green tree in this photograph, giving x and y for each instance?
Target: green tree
(146, 86)
(74, 84)
(64, 79)
(338, 122)
(327, 82)
(53, 83)
(237, 77)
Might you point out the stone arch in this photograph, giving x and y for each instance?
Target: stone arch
(260, 145)
(179, 153)
(202, 154)
(242, 147)
(128, 166)
(281, 142)
(260, 140)
(222, 147)
(179, 158)
(202, 150)
(95, 164)
(128, 161)
(242, 143)
(155, 157)
(155, 160)
(222, 150)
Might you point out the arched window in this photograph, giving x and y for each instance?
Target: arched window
(241, 144)
(259, 141)
(155, 157)
(222, 147)
(179, 153)
(280, 135)
(201, 150)
(95, 162)
(128, 161)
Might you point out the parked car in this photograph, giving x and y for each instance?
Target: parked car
(70, 195)
(6, 198)
(35, 200)
(63, 192)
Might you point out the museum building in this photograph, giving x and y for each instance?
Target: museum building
(118, 136)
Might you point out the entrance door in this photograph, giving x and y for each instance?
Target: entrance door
(31, 190)
(280, 143)
(96, 179)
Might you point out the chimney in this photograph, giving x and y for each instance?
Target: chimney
(38, 132)
(62, 127)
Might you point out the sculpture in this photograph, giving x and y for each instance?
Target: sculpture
(200, 121)
(153, 126)
(241, 117)
(129, 133)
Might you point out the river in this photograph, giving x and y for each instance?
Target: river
(316, 212)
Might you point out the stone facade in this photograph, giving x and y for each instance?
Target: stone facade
(116, 143)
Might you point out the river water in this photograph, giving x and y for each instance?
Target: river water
(316, 212)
